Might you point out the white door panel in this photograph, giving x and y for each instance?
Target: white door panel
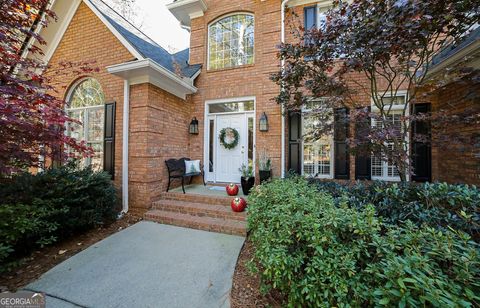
(230, 160)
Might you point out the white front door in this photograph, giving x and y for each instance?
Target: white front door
(230, 160)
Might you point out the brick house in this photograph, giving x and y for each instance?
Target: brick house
(137, 109)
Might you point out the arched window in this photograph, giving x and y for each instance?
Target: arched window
(231, 41)
(86, 104)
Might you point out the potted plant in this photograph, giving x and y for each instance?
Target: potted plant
(247, 179)
(264, 166)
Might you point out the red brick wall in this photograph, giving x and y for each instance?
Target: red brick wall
(158, 131)
(455, 162)
(358, 82)
(88, 39)
(250, 80)
(158, 120)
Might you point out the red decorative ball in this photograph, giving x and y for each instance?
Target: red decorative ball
(232, 189)
(238, 204)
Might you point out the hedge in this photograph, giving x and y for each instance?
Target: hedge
(318, 253)
(439, 205)
(38, 210)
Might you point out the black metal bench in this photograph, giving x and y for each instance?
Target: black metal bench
(176, 170)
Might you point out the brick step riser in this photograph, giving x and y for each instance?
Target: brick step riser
(197, 212)
(189, 224)
(197, 198)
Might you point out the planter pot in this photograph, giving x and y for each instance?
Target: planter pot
(247, 184)
(264, 175)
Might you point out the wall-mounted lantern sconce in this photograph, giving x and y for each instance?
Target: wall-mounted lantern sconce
(193, 129)
(263, 123)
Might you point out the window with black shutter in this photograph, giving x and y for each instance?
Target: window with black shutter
(109, 139)
(342, 159)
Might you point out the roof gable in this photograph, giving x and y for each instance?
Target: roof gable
(145, 47)
(137, 43)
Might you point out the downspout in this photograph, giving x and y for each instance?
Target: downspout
(126, 108)
(284, 2)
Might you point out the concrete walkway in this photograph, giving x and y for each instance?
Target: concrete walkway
(146, 265)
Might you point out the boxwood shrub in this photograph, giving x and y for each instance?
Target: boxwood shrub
(320, 254)
(37, 210)
(439, 205)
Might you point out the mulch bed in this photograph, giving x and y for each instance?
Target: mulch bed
(246, 286)
(42, 260)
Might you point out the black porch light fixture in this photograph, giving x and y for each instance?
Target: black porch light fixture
(263, 125)
(193, 129)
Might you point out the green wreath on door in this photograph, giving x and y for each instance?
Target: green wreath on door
(232, 133)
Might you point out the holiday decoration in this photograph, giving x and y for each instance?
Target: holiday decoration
(228, 137)
(232, 189)
(238, 204)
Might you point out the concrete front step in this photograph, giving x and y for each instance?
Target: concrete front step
(206, 223)
(198, 209)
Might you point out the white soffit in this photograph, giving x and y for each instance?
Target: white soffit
(65, 10)
(53, 33)
(185, 10)
(147, 71)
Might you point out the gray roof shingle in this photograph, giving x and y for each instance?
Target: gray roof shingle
(453, 49)
(145, 45)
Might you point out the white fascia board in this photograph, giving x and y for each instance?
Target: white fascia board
(53, 34)
(66, 10)
(467, 51)
(112, 29)
(37, 30)
(185, 10)
(294, 3)
(143, 71)
(320, 3)
(196, 75)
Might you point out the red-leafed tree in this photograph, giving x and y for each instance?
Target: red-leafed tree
(376, 49)
(32, 119)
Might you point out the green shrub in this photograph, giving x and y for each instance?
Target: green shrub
(37, 210)
(439, 205)
(318, 253)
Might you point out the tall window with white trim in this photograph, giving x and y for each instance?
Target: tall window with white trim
(317, 150)
(231, 41)
(382, 168)
(86, 104)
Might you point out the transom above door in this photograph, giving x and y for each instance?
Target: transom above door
(222, 162)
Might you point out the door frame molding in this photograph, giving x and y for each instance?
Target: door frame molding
(206, 126)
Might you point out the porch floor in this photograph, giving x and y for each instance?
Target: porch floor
(209, 190)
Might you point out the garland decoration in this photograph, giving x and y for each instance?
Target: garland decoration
(228, 137)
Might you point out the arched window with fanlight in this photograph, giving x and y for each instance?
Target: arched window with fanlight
(231, 41)
(86, 103)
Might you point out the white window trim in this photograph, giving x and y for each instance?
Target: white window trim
(321, 8)
(210, 176)
(332, 151)
(68, 97)
(394, 109)
(208, 39)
